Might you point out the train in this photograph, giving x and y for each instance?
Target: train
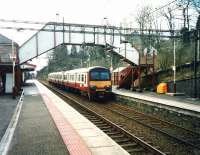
(95, 82)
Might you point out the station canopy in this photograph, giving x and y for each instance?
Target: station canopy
(54, 34)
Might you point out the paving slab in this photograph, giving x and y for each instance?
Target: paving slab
(7, 107)
(36, 133)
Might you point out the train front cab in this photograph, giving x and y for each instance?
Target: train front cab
(99, 83)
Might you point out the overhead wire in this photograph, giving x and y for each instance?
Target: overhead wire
(22, 21)
(157, 9)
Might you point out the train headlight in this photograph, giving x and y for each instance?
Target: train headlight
(93, 87)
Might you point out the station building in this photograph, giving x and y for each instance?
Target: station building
(9, 84)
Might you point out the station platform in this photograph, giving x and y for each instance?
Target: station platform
(180, 102)
(47, 125)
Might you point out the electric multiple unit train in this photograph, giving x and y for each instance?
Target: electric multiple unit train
(93, 81)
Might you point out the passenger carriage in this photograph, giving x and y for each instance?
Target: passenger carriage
(93, 81)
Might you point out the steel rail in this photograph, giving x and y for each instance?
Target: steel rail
(154, 128)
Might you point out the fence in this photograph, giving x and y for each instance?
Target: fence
(186, 86)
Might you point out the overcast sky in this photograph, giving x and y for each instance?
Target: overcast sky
(74, 11)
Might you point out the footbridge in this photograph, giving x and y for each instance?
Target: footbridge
(55, 34)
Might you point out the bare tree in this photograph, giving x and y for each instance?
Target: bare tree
(169, 15)
(144, 18)
(191, 3)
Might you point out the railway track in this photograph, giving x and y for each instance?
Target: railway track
(131, 143)
(186, 141)
(177, 140)
(171, 130)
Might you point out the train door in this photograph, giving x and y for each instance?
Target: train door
(75, 80)
(84, 80)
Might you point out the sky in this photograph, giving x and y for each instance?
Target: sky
(73, 11)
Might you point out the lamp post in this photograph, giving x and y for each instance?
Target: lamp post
(111, 65)
(198, 45)
(89, 60)
(174, 67)
(13, 57)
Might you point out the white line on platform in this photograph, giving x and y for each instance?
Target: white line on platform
(7, 138)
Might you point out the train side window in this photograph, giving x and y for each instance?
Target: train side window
(82, 78)
(85, 79)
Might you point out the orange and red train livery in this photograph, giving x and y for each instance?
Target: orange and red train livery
(93, 81)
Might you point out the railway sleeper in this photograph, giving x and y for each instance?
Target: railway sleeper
(120, 125)
(124, 140)
(97, 121)
(155, 123)
(135, 150)
(106, 130)
(94, 119)
(104, 127)
(113, 133)
(149, 142)
(117, 136)
(129, 145)
(139, 118)
(89, 116)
